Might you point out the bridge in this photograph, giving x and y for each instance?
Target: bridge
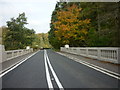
(73, 67)
(49, 69)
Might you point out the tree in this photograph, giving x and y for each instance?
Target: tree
(85, 24)
(70, 27)
(18, 36)
(52, 38)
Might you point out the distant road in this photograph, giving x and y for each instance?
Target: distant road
(48, 69)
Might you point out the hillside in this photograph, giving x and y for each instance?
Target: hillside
(42, 40)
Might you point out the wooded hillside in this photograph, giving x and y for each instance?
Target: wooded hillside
(85, 24)
(41, 40)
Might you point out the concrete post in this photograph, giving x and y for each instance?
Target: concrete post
(2, 50)
(18, 53)
(99, 53)
(12, 54)
(0, 35)
(2, 55)
(118, 56)
(87, 52)
(32, 49)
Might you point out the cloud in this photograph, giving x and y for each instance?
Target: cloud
(39, 26)
(34, 22)
(37, 22)
(38, 12)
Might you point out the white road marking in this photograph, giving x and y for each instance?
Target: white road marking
(1, 75)
(105, 71)
(49, 82)
(100, 68)
(54, 74)
(11, 66)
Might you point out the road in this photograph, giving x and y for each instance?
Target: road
(48, 69)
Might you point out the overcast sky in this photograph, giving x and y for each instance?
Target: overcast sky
(38, 12)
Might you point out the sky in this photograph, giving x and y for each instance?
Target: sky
(38, 12)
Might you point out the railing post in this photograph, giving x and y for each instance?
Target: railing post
(99, 53)
(29, 51)
(12, 54)
(3, 56)
(79, 51)
(32, 49)
(118, 56)
(87, 52)
(22, 52)
(17, 53)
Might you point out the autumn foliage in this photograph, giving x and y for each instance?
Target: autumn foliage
(84, 24)
(70, 26)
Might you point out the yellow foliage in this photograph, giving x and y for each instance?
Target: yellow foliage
(68, 24)
(82, 38)
(84, 31)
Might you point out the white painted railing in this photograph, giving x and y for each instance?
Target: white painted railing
(16, 53)
(109, 54)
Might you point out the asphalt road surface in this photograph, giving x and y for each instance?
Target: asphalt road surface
(48, 69)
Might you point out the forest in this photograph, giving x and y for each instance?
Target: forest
(85, 24)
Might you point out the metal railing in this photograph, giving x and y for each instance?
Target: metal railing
(16, 53)
(109, 54)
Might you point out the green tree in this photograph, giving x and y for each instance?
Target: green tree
(104, 22)
(18, 36)
(52, 38)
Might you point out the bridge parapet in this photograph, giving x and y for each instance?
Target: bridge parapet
(109, 54)
(16, 53)
(8, 55)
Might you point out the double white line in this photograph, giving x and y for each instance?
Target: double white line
(48, 65)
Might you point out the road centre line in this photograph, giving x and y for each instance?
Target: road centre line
(54, 74)
(15, 66)
(49, 82)
(105, 71)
